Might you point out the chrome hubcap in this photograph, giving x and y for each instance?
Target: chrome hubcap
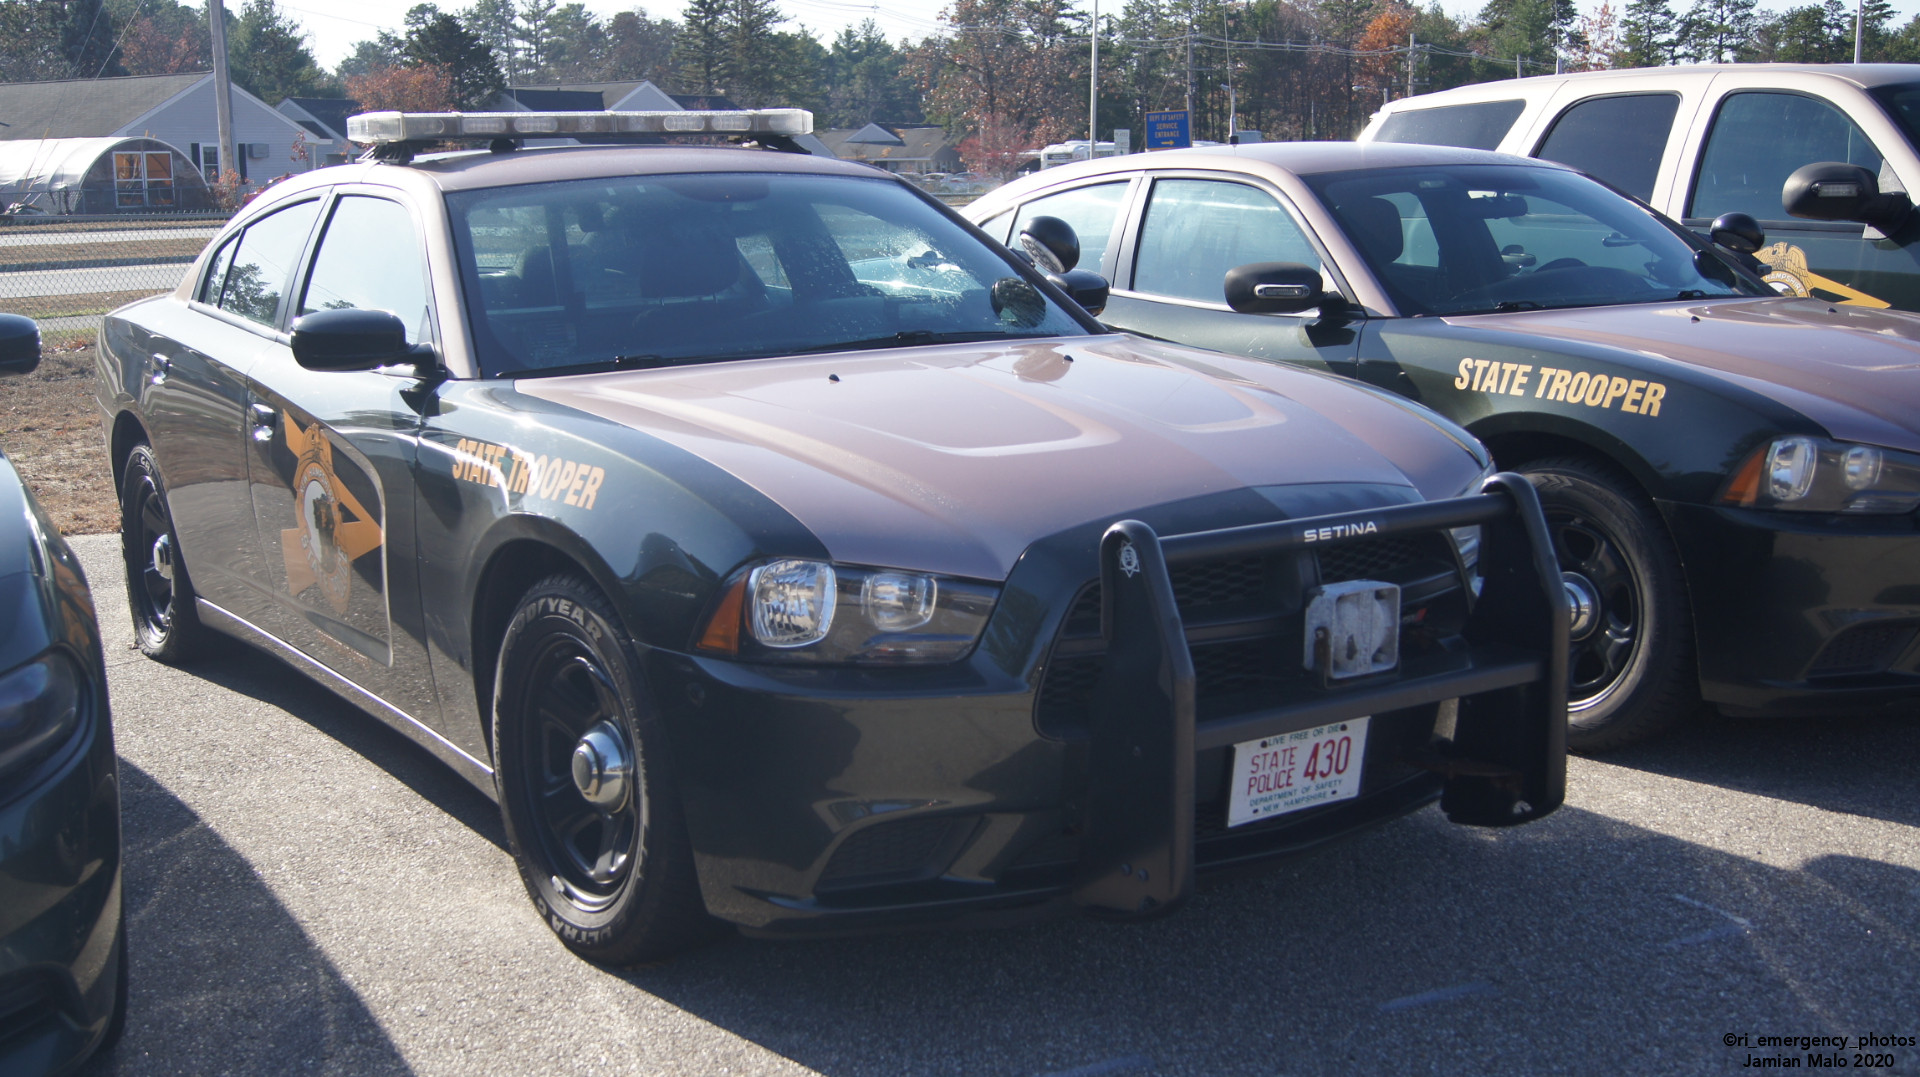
(603, 767)
(1583, 605)
(163, 558)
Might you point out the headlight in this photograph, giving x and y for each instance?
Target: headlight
(795, 610)
(39, 710)
(1808, 474)
(1467, 539)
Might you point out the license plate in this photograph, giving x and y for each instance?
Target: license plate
(1290, 771)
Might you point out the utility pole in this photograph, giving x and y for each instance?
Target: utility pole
(1093, 87)
(222, 85)
(1859, 24)
(1411, 47)
(1189, 76)
(1517, 73)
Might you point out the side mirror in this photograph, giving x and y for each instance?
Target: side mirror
(1275, 288)
(19, 344)
(1050, 242)
(351, 339)
(1083, 286)
(1835, 191)
(1737, 232)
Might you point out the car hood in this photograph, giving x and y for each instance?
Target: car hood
(954, 459)
(1853, 370)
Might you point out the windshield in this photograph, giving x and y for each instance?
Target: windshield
(660, 270)
(1471, 239)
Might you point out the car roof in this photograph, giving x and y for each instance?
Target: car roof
(1861, 75)
(1299, 158)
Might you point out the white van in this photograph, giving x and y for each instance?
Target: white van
(1699, 142)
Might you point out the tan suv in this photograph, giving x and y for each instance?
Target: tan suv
(1699, 142)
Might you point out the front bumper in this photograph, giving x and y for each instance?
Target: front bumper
(60, 904)
(835, 800)
(1801, 614)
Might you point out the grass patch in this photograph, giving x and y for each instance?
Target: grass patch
(68, 306)
(133, 249)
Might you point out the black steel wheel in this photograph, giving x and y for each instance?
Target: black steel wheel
(159, 592)
(585, 790)
(1630, 665)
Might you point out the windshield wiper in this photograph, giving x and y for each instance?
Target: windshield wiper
(617, 362)
(1508, 306)
(908, 338)
(1691, 293)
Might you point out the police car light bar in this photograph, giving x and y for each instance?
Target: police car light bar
(382, 128)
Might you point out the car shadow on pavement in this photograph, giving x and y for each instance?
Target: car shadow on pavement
(223, 979)
(1581, 944)
(1861, 766)
(261, 675)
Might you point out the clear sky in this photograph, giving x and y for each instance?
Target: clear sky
(336, 26)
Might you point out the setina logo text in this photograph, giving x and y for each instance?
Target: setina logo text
(1323, 534)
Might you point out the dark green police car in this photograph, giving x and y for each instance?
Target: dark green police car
(1731, 476)
(778, 551)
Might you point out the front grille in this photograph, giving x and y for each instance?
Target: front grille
(1247, 615)
(890, 852)
(1377, 558)
(1867, 648)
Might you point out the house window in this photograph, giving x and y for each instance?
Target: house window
(142, 180)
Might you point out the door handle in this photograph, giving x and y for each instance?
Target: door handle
(161, 364)
(262, 416)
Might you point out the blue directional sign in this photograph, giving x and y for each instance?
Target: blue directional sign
(1168, 130)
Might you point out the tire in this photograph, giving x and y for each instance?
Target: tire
(608, 864)
(159, 591)
(1630, 671)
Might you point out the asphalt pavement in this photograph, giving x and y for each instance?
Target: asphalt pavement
(310, 893)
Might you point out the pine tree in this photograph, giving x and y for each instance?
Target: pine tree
(492, 22)
(702, 52)
(87, 40)
(1716, 29)
(1648, 35)
(443, 41)
(752, 51)
(267, 53)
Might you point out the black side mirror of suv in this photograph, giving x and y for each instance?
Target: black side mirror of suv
(19, 344)
(1836, 191)
(1278, 288)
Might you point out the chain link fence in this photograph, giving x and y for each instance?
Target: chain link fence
(67, 272)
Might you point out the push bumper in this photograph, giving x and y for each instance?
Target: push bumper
(1801, 615)
(1504, 764)
(838, 801)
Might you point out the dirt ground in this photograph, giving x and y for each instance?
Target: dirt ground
(50, 429)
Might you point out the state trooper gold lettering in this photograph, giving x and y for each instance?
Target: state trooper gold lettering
(546, 477)
(1633, 395)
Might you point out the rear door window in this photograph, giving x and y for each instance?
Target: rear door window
(263, 264)
(1479, 126)
(1618, 139)
(1092, 211)
(1758, 140)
